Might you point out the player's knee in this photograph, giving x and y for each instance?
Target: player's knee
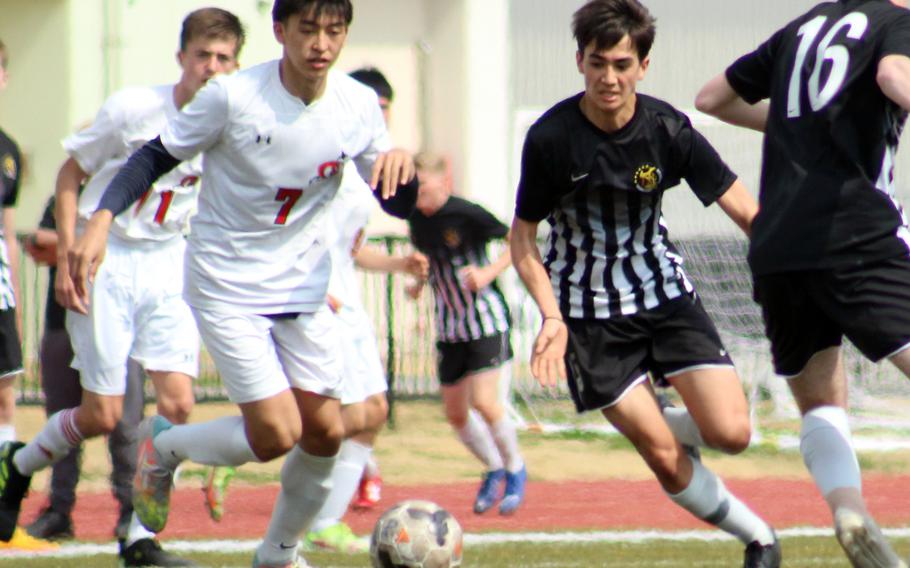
(177, 408)
(323, 438)
(491, 411)
(274, 439)
(377, 412)
(732, 438)
(457, 417)
(101, 421)
(663, 460)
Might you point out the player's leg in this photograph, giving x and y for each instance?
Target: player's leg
(10, 368)
(369, 491)
(716, 413)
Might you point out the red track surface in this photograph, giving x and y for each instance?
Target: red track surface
(550, 506)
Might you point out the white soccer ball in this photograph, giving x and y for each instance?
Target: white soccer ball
(416, 534)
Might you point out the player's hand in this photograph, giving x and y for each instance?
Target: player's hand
(86, 255)
(41, 246)
(65, 291)
(475, 278)
(392, 169)
(548, 363)
(417, 265)
(413, 290)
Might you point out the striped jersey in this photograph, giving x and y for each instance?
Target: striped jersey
(609, 253)
(827, 194)
(453, 238)
(10, 174)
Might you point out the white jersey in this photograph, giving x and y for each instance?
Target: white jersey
(345, 226)
(126, 121)
(272, 164)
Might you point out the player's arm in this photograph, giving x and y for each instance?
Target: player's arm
(393, 180)
(740, 206)
(375, 260)
(478, 277)
(69, 178)
(547, 361)
(142, 170)
(893, 77)
(718, 99)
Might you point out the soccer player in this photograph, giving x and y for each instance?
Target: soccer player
(134, 309)
(364, 406)
(275, 139)
(61, 388)
(472, 328)
(615, 300)
(830, 249)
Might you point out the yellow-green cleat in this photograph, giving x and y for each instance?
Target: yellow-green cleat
(336, 538)
(154, 478)
(215, 490)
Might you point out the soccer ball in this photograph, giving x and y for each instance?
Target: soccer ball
(416, 534)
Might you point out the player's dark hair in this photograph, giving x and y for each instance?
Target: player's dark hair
(284, 9)
(606, 22)
(212, 23)
(373, 78)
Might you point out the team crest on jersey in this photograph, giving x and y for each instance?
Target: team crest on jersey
(9, 166)
(647, 178)
(451, 238)
(189, 181)
(330, 169)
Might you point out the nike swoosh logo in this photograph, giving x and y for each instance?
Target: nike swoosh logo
(283, 546)
(579, 177)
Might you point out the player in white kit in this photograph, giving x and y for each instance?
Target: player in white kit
(134, 308)
(275, 139)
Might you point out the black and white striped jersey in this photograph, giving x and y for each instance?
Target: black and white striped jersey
(827, 194)
(454, 237)
(609, 253)
(10, 173)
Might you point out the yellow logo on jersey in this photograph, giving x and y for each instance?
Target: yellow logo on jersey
(647, 177)
(452, 238)
(9, 166)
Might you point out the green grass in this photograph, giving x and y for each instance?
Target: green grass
(798, 553)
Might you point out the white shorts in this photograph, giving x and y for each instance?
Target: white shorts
(363, 372)
(136, 310)
(261, 356)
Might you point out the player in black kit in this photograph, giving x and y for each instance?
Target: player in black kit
(830, 250)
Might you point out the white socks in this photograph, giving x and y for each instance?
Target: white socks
(305, 484)
(51, 445)
(352, 458)
(683, 427)
(708, 499)
(136, 531)
(827, 450)
(217, 442)
(476, 436)
(506, 439)
(7, 433)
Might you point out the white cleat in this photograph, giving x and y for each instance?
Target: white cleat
(863, 541)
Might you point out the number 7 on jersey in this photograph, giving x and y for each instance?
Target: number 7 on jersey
(290, 198)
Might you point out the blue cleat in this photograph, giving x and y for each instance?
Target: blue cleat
(488, 494)
(515, 491)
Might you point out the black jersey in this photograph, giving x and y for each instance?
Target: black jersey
(609, 252)
(454, 237)
(10, 173)
(827, 186)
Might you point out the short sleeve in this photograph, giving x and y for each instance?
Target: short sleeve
(537, 194)
(12, 176)
(198, 126)
(101, 141)
(703, 169)
(379, 140)
(896, 39)
(485, 224)
(750, 75)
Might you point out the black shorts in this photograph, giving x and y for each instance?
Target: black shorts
(10, 346)
(808, 311)
(606, 358)
(456, 360)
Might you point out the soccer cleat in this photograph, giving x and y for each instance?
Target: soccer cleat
(296, 563)
(147, 552)
(514, 494)
(154, 480)
(488, 494)
(336, 538)
(663, 401)
(763, 555)
(863, 541)
(13, 487)
(51, 525)
(368, 493)
(21, 540)
(215, 490)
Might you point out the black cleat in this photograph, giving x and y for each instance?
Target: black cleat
(51, 525)
(763, 555)
(664, 402)
(13, 487)
(147, 552)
